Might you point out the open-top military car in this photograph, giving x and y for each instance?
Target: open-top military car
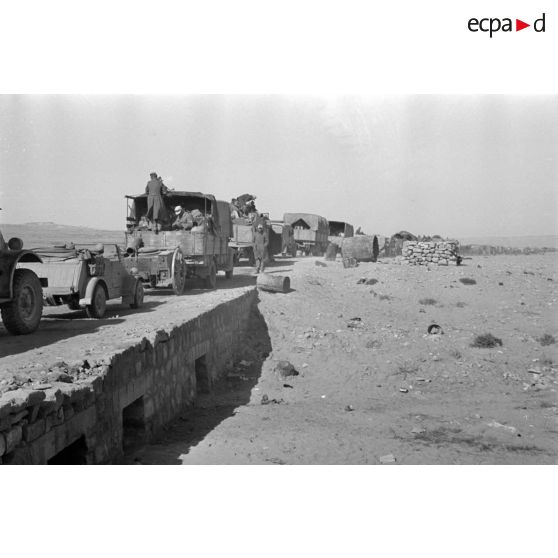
(86, 277)
(21, 296)
(171, 256)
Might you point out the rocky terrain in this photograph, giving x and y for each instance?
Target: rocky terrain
(368, 384)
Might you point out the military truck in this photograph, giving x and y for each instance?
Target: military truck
(310, 232)
(339, 230)
(21, 297)
(281, 239)
(169, 257)
(86, 277)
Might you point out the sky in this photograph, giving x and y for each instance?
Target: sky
(454, 165)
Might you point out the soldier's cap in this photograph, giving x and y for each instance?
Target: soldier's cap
(177, 209)
(260, 227)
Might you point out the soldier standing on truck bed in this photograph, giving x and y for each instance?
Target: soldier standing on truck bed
(155, 191)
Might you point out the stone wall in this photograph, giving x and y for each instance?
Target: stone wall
(86, 414)
(433, 253)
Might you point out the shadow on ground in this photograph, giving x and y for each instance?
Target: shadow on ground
(209, 410)
(56, 327)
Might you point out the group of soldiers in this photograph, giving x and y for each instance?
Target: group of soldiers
(243, 207)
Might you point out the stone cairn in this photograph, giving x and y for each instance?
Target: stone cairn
(436, 253)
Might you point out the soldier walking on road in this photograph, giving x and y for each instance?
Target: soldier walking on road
(261, 242)
(155, 191)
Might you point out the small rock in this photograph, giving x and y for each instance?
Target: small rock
(285, 369)
(389, 458)
(403, 390)
(349, 408)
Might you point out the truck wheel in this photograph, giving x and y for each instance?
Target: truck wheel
(251, 257)
(23, 314)
(210, 281)
(138, 295)
(178, 272)
(231, 264)
(98, 305)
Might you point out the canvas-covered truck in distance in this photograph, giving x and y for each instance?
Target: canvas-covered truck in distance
(170, 257)
(86, 278)
(339, 230)
(310, 232)
(281, 239)
(21, 297)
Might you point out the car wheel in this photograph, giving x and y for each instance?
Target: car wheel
(23, 314)
(138, 295)
(98, 305)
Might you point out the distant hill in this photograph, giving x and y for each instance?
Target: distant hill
(35, 235)
(546, 241)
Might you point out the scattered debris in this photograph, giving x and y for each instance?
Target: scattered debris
(546, 339)
(486, 341)
(389, 458)
(435, 329)
(403, 390)
(349, 408)
(428, 301)
(350, 262)
(418, 430)
(354, 323)
(495, 424)
(285, 369)
(287, 386)
(467, 281)
(501, 284)
(266, 400)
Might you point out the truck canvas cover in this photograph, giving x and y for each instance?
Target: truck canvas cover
(307, 221)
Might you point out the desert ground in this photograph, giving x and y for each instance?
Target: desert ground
(373, 386)
(369, 384)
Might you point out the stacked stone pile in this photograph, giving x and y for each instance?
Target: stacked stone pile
(435, 253)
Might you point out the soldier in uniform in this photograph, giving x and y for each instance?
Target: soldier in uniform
(183, 219)
(155, 191)
(261, 242)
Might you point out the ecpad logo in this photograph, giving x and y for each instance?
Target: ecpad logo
(493, 25)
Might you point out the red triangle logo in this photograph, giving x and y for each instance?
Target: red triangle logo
(519, 25)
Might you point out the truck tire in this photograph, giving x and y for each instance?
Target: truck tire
(178, 272)
(210, 282)
(98, 305)
(23, 314)
(138, 295)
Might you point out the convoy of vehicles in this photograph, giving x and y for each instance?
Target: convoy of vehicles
(166, 255)
(171, 257)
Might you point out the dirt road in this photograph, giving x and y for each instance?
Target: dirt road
(373, 385)
(71, 336)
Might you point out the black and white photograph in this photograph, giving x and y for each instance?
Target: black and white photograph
(278, 278)
(246, 279)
